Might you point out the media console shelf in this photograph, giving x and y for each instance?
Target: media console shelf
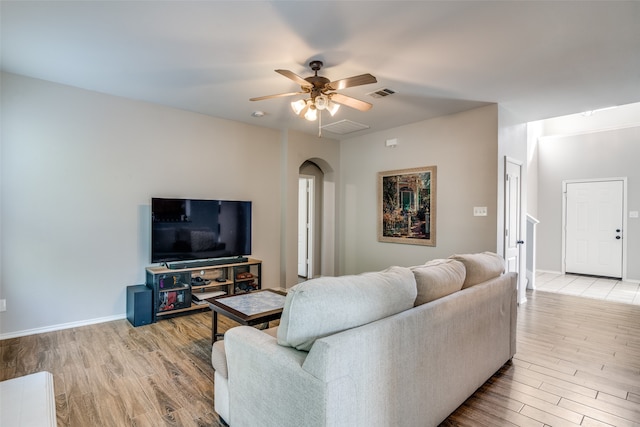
(180, 290)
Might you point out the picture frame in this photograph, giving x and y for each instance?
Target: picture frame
(407, 206)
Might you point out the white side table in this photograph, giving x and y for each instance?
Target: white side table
(28, 401)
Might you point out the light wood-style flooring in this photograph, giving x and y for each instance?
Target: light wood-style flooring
(578, 363)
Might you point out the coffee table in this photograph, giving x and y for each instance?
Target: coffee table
(251, 308)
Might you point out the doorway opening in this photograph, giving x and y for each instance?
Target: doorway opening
(310, 182)
(306, 186)
(513, 221)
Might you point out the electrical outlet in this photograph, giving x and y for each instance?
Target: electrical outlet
(3, 305)
(479, 211)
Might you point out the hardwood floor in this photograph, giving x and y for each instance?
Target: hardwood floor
(578, 363)
(113, 374)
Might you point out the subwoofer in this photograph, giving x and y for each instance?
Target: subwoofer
(139, 303)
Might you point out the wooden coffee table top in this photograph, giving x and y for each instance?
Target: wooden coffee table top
(250, 308)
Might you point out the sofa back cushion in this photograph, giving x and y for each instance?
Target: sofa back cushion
(480, 267)
(438, 278)
(327, 305)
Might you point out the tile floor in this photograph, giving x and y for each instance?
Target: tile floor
(589, 286)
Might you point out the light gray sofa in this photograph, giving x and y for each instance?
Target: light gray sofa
(401, 347)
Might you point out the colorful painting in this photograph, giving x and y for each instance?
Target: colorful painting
(407, 206)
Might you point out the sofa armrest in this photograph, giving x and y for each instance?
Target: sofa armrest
(267, 385)
(219, 359)
(219, 356)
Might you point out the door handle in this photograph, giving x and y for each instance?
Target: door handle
(520, 242)
(618, 237)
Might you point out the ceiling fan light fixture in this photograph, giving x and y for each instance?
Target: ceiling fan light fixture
(321, 102)
(332, 108)
(311, 114)
(298, 106)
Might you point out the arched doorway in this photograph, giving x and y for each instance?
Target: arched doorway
(310, 207)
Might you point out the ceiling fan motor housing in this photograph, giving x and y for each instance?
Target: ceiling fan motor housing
(316, 65)
(319, 83)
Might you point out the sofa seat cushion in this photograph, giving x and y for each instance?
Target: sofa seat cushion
(480, 267)
(438, 278)
(327, 305)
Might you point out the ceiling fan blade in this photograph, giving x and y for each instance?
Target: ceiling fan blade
(350, 102)
(280, 95)
(296, 78)
(362, 79)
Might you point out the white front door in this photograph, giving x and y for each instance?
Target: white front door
(512, 216)
(594, 219)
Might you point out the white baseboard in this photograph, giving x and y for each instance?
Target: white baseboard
(548, 271)
(61, 326)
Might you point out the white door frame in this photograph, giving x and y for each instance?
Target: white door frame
(624, 219)
(518, 250)
(309, 206)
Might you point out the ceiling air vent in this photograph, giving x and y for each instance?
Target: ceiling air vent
(343, 127)
(381, 93)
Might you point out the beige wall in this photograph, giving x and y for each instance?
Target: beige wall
(78, 171)
(463, 146)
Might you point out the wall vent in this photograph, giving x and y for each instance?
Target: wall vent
(381, 93)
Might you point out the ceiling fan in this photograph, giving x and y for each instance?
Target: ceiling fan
(322, 93)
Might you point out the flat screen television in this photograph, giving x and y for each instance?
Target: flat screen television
(193, 229)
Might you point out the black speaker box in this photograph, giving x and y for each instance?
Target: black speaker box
(139, 303)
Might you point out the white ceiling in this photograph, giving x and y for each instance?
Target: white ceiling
(538, 59)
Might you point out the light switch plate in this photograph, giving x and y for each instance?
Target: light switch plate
(633, 214)
(479, 211)
(391, 142)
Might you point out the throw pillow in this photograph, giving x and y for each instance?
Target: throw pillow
(480, 267)
(438, 278)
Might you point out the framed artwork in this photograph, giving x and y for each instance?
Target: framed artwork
(407, 206)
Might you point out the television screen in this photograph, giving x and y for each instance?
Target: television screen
(190, 229)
